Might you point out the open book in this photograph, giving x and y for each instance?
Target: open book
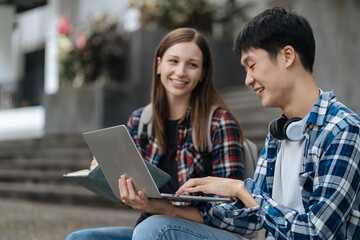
(96, 182)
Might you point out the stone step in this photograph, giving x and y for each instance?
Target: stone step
(252, 116)
(15, 150)
(33, 169)
(71, 194)
(55, 152)
(48, 142)
(45, 164)
(240, 94)
(13, 144)
(35, 176)
(66, 140)
(61, 152)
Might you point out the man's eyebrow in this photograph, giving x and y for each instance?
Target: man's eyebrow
(245, 60)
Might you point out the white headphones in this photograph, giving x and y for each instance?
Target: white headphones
(291, 129)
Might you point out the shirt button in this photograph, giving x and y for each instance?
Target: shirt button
(236, 213)
(266, 207)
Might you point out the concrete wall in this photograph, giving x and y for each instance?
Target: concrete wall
(337, 34)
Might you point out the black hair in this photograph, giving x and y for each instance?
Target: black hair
(276, 28)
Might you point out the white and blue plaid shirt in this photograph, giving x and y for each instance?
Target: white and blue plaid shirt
(329, 183)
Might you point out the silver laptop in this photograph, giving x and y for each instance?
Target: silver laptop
(117, 154)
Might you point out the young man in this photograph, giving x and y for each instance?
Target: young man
(306, 185)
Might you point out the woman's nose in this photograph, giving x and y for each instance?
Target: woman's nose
(180, 70)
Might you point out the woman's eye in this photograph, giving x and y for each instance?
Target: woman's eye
(172, 60)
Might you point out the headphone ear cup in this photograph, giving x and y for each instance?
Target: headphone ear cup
(290, 121)
(293, 129)
(276, 127)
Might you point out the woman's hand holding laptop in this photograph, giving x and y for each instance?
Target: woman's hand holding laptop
(155, 206)
(93, 164)
(139, 200)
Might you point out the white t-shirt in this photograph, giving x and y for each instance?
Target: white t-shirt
(286, 190)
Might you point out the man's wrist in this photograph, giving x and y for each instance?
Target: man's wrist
(244, 196)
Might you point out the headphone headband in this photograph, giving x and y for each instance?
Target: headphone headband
(290, 129)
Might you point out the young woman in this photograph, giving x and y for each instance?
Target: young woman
(183, 93)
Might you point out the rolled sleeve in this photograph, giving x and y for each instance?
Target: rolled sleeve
(232, 217)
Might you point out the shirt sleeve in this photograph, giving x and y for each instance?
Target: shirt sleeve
(227, 158)
(335, 185)
(234, 217)
(133, 123)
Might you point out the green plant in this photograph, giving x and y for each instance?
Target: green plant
(200, 14)
(94, 53)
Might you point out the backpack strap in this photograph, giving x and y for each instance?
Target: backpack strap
(145, 125)
(250, 158)
(205, 155)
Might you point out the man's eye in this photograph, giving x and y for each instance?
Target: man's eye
(252, 66)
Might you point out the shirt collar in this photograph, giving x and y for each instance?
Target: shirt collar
(319, 110)
(187, 117)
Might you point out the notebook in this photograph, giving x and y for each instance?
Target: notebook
(117, 154)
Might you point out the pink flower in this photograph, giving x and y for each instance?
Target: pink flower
(64, 25)
(80, 40)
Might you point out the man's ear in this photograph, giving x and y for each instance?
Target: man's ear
(289, 55)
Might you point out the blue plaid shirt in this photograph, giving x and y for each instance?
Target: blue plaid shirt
(329, 183)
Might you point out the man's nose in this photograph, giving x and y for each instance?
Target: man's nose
(249, 79)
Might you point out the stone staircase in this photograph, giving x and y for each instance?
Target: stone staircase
(33, 169)
(253, 117)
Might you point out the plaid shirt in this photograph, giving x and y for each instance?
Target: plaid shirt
(226, 157)
(329, 183)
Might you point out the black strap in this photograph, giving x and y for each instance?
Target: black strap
(144, 139)
(207, 163)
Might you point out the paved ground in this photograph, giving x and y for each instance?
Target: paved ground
(25, 220)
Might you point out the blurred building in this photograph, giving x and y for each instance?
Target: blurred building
(28, 52)
(28, 57)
